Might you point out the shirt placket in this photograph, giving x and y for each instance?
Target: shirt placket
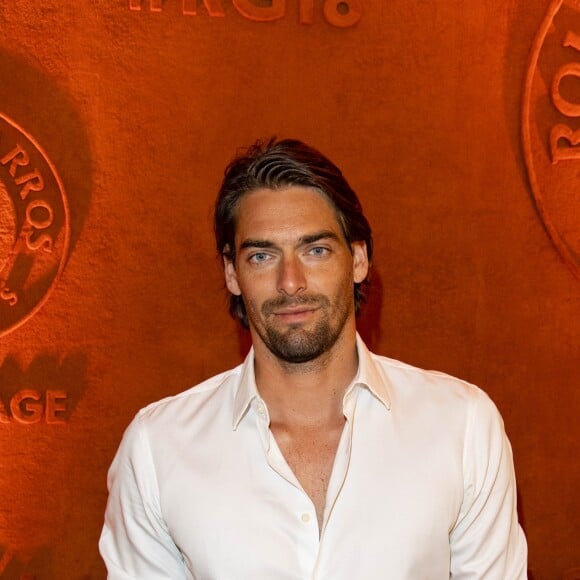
(305, 527)
(338, 475)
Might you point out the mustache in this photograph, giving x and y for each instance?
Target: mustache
(283, 301)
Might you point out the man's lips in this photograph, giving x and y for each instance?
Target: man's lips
(295, 312)
(295, 309)
(285, 308)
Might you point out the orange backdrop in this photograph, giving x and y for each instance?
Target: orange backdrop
(457, 122)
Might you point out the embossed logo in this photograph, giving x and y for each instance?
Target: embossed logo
(339, 13)
(34, 226)
(551, 127)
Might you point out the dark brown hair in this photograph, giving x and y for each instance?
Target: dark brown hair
(276, 164)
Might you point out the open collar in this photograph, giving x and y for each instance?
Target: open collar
(369, 375)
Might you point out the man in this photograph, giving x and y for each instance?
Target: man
(314, 459)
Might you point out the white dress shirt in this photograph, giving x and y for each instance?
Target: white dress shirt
(422, 487)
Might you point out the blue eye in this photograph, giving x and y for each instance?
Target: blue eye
(259, 257)
(318, 251)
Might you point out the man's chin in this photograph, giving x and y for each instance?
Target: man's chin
(295, 345)
(296, 356)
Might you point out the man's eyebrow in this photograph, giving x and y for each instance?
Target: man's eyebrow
(323, 235)
(303, 241)
(250, 243)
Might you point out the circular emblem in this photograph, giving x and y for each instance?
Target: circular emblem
(34, 226)
(551, 127)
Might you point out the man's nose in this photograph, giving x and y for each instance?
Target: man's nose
(291, 278)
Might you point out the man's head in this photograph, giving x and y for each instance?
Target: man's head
(275, 165)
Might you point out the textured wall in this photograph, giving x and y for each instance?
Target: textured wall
(458, 122)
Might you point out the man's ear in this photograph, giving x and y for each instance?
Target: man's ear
(360, 261)
(230, 273)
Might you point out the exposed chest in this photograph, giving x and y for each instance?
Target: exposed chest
(310, 454)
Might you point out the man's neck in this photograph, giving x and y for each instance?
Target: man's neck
(311, 393)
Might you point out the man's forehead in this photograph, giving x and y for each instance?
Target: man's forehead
(293, 212)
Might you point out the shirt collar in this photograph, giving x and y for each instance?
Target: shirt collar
(369, 375)
(247, 389)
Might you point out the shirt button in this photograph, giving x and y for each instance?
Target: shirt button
(261, 409)
(305, 518)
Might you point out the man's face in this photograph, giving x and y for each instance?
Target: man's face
(295, 271)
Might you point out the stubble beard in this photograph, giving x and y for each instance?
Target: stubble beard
(296, 344)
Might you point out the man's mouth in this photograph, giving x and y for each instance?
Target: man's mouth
(294, 313)
(294, 309)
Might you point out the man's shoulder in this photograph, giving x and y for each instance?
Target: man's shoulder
(403, 377)
(212, 390)
(430, 394)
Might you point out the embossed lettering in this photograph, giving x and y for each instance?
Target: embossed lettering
(26, 406)
(17, 157)
(213, 7)
(35, 221)
(339, 13)
(8, 296)
(572, 69)
(562, 152)
(343, 13)
(154, 5)
(43, 241)
(55, 406)
(562, 133)
(565, 107)
(33, 181)
(572, 39)
(189, 7)
(274, 11)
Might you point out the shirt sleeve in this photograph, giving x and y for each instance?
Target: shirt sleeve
(135, 542)
(487, 542)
